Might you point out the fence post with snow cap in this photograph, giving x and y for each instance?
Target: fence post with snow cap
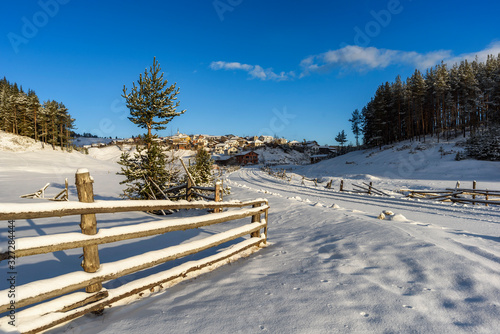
(256, 219)
(88, 224)
(218, 194)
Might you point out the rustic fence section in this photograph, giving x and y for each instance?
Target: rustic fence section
(69, 304)
(458, 195)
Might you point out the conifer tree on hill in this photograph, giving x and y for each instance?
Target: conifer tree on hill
(201, 171)
(341, 138)
(152, 105)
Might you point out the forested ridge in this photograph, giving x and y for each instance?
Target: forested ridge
(23, 114)
(443, 102)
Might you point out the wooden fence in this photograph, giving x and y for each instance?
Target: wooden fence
(364, 188)
(55, 298)
(458, 195)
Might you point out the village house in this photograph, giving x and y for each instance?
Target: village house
(280, 141)
(180, 141)
(246, 158)
(231, 150)
(220, 148)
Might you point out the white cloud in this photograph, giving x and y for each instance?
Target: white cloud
(369, 58)
(352, 57)
(254, 71)
(492, 49)
(362, 59)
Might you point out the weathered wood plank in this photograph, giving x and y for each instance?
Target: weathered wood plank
(10, 211)
(36, 292)
(120, 233)
(85, 190)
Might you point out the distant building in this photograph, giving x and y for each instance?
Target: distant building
(247, 158)
(231, 150)
(180, 141)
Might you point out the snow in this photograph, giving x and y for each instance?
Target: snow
(331, 266)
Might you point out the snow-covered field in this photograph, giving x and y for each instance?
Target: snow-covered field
(331, 267)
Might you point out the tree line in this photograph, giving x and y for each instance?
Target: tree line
(22, 113)
(443, 102)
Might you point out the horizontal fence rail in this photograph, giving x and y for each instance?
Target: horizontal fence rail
(55, 300)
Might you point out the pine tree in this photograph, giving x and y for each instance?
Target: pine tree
(152, 105)
(341, 138)
(356, 120)
(201, 171)
(145, 172)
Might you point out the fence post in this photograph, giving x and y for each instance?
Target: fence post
(256, 219)
(370, 188)
(486, 197)
(341, 185)
(474, 188)
(88, 224)
(266, 214)
(218, 195)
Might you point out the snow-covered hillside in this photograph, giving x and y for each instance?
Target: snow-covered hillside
(332, 266)
(408, 164)
(276, 156)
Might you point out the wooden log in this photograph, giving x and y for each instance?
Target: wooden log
(37, 194)
(497, 192)
(176, 188)
(204, 188)
(361, 187)
(12, 211)
(88, 225)
(453, 194)
(377, 190)
(189, 189)
(188, 173)
(448, 190)
(218, 195)
(120, 233)
(203, 196)
(467, 200)
(266, 215)
(474, 187)
(256, 219)
(90, 299)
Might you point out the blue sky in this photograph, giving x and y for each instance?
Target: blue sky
(295, 69)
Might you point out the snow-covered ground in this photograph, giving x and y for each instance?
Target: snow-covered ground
(331, 267)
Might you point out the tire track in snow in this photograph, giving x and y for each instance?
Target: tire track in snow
(484, 214)
(443, 219)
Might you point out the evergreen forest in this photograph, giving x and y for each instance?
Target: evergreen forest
(23, 114)
(444, 102)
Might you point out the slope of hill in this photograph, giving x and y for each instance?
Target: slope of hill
(412, 164)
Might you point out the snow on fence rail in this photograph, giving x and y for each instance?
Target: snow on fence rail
(70, 304)
(456, 195)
